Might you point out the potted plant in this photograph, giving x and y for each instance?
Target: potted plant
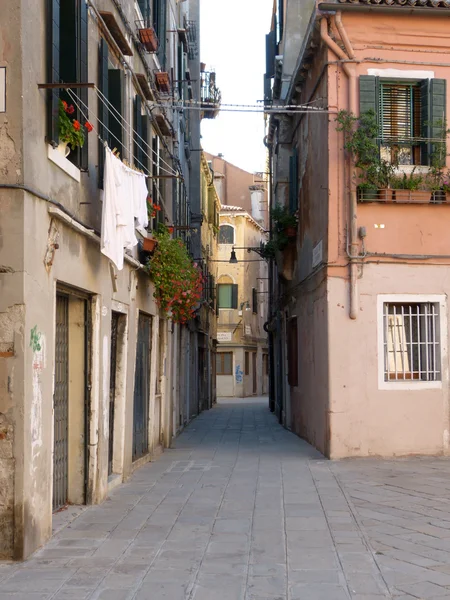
(361, 142)
(438, 175)
(284, 225)
(71, 132)
(178, 280)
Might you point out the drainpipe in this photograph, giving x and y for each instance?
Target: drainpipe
(350, 71)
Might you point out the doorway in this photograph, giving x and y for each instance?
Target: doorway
(71, 398)
(142, 388)
(255, 381)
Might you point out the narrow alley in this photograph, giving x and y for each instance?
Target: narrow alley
(242, 509)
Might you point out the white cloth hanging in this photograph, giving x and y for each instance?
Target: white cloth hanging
(124, 200)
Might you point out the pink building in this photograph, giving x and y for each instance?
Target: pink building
(361, 310)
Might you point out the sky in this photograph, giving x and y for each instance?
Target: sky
(232, 43)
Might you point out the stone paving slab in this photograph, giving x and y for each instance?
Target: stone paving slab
(241, 509)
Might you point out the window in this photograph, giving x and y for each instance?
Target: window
(67, 61)
(292, 351)
(225, 363)
(154, 15)
(411, 341)
(247, 363)
(410, 115)
(226, 234)
(227, 295)
(254, 301)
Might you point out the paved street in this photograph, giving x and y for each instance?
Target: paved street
(243, 510)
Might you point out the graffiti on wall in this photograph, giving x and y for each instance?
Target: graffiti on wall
(239, 374)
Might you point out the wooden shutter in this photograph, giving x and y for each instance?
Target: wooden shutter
(369, 94)
(102, 109)
(292, 334)
(83, 76)
(234, 295)
(137, 126)
(145, 151)
(53, 34)
(254, 301)
(433, 115)
(270, 54)
(293, 181)
(396, 115)
(115, 96)
(160, 21)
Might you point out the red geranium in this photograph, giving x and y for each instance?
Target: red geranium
(88, 126)
(76, 125)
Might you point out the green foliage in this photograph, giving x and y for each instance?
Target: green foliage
(439, 176)
(178, 281)
(282, 221)
(361, 142)
(407, 181)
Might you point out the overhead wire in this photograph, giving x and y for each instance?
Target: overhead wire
(111, 107)
(146, 171)
(75, 98)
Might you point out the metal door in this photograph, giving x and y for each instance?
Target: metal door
(61, 403)
(254, 373)
(141, 388)
(112, 387)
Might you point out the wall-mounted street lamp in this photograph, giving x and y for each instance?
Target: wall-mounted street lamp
(259, 250)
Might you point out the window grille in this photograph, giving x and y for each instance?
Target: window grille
(411, 342)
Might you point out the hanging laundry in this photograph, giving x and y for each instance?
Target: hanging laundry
(124, 201)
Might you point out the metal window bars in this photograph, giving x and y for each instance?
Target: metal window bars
(411, 342)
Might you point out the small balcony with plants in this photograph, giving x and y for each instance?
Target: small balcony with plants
(210, 94)
(380, 173)
(282, 246)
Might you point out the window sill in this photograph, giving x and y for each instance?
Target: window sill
(61, 161)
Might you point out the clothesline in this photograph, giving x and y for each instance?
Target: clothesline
(146, 172)
(77, 101)
(105, 100)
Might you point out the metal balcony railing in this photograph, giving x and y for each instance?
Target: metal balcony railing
(210, 95)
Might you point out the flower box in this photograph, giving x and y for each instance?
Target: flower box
(162, 81)
(148, 39)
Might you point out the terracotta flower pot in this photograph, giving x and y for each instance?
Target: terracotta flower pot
(149, 244)
(291, 231)
(148, 39)
(162, 81)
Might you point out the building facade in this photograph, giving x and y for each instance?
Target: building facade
(360, 320)
(242, 302)
(90, 369)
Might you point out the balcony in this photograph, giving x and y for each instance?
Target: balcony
(403, 196)
(210, 95)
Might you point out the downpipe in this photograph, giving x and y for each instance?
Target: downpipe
(350, 71)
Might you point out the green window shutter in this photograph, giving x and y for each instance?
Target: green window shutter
(145, 152)
(160, 10)
(224, 297)
(433, 116)
(144, 6)
(137, 142)
(271, 47)
(438, 96)
(115, 96)
(102, 106)
(254, 301)
(83, 76)
(234, 295)
(369, 94)
(53, 35)
(293, 181)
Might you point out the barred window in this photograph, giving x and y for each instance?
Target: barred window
(411, 342)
